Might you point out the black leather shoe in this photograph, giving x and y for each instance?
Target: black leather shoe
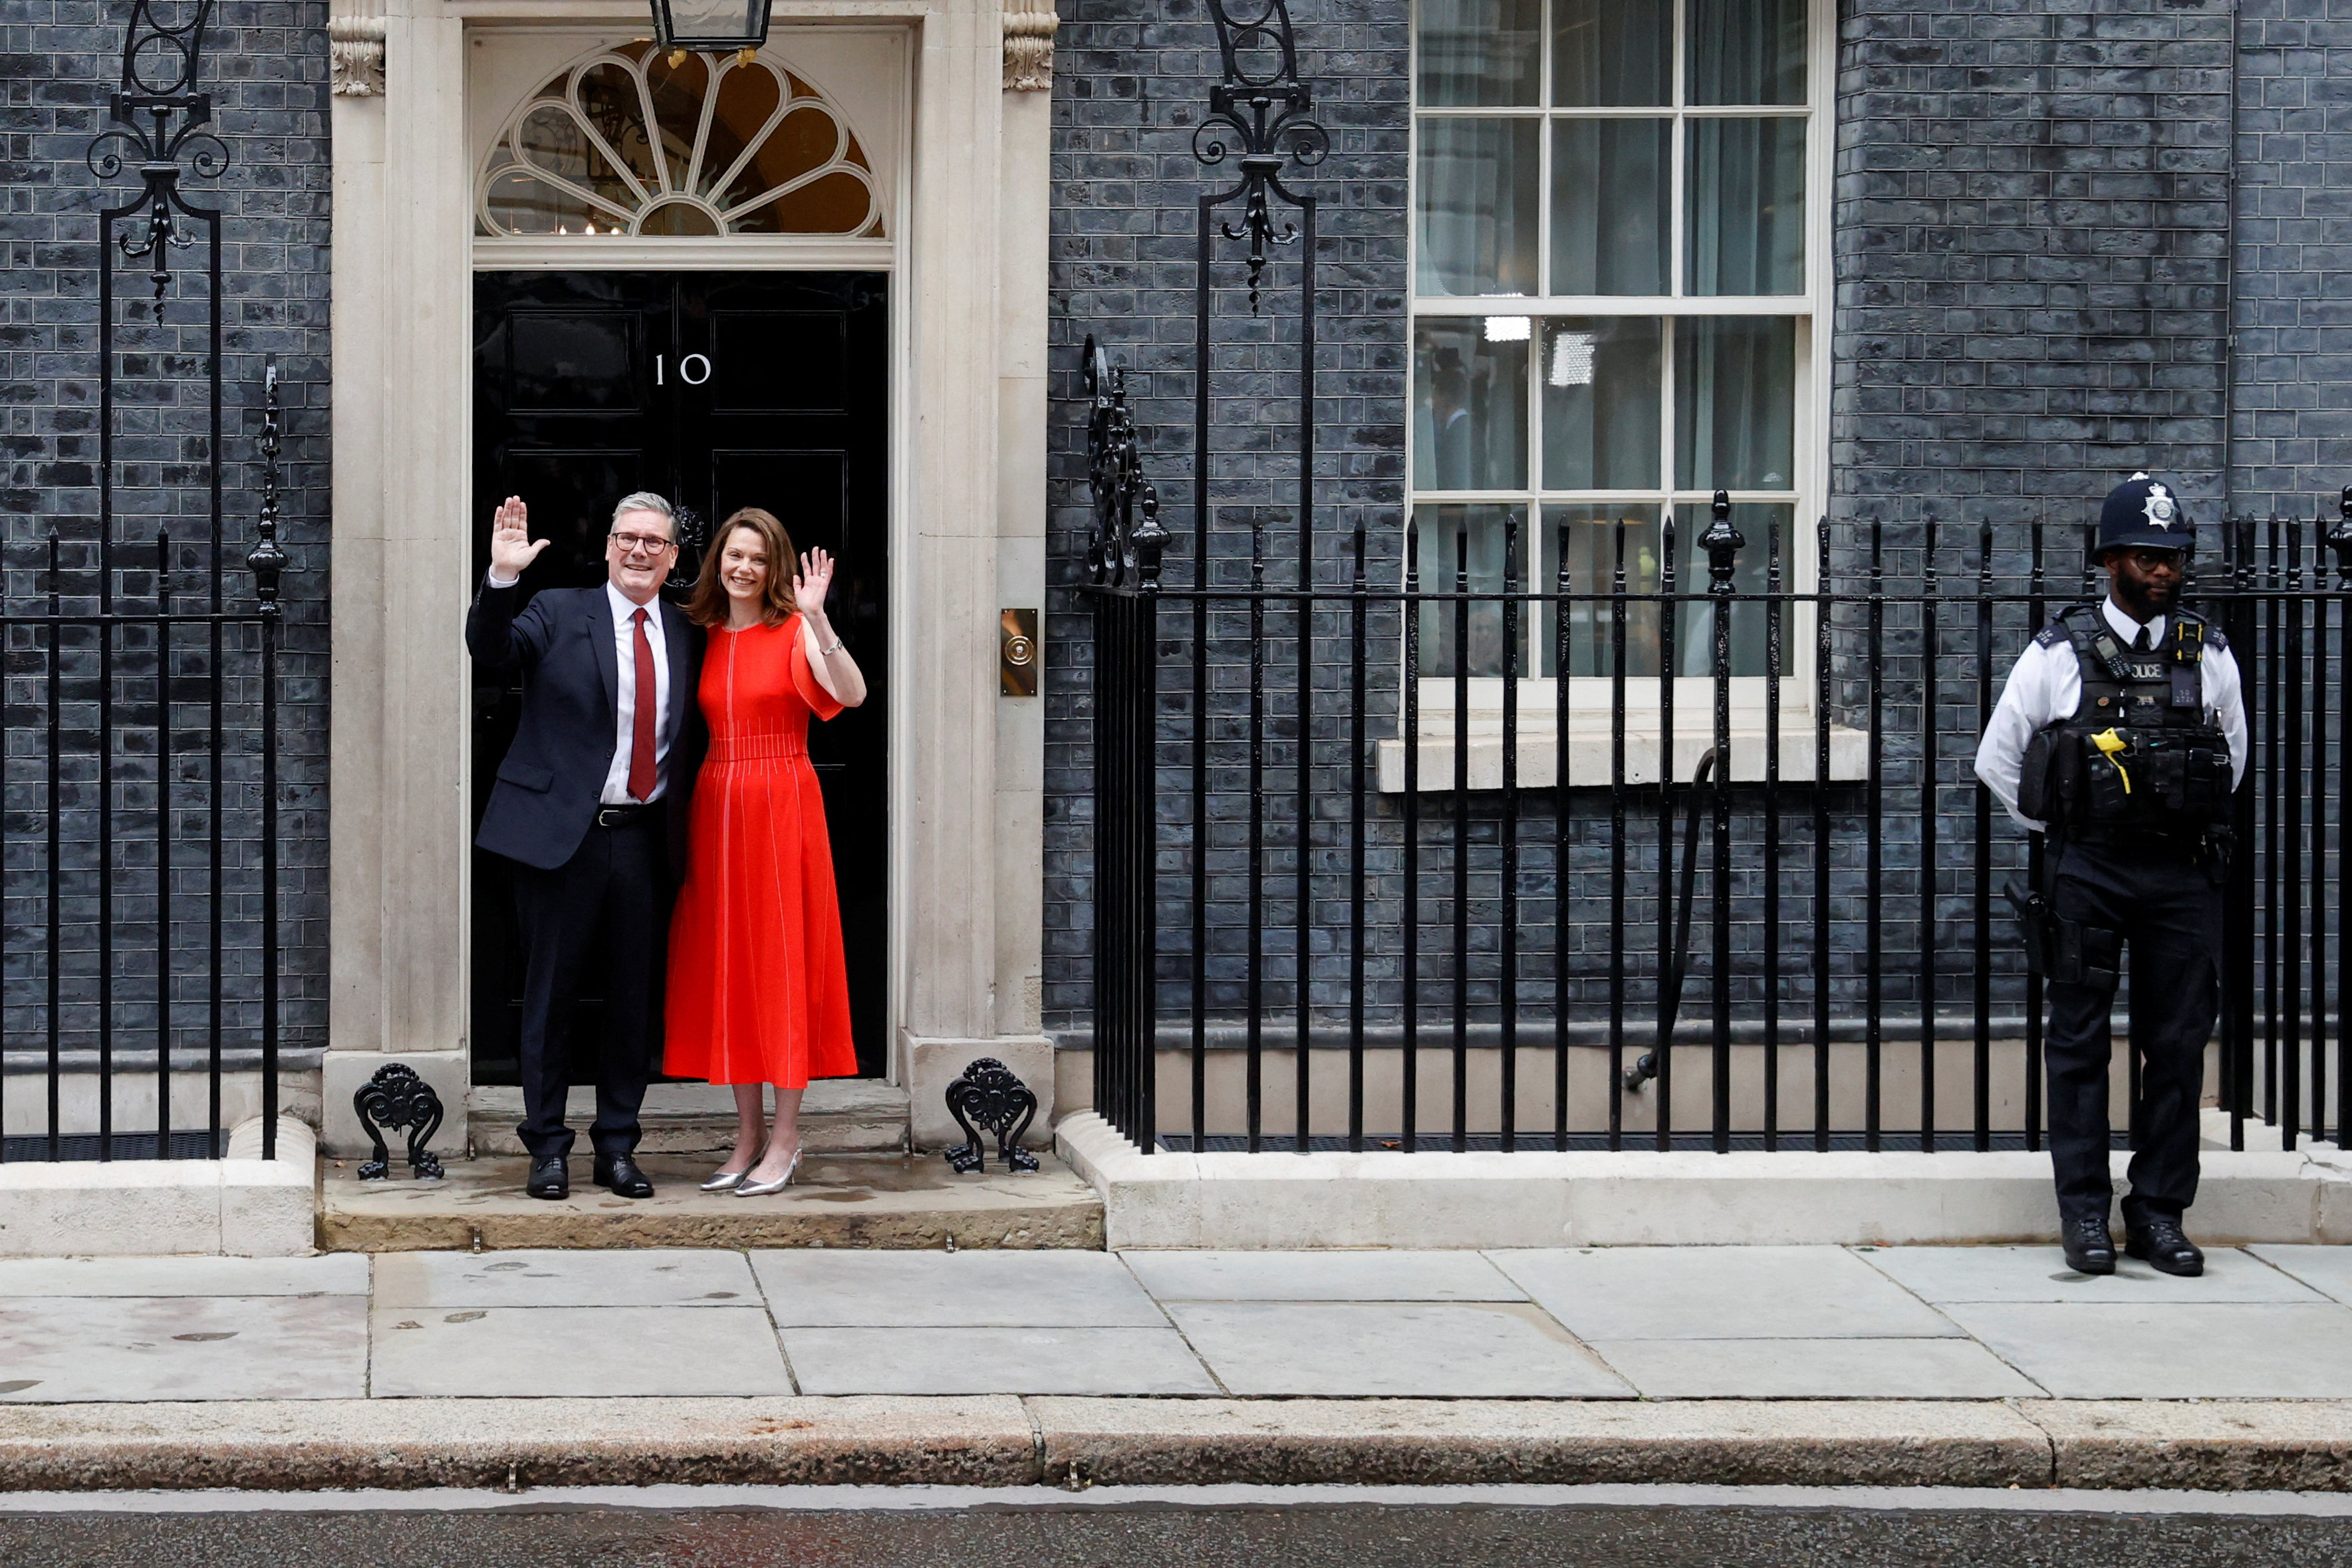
(549, 1179)
(2158, 1242)
(621, 1174)
(2089, 1249)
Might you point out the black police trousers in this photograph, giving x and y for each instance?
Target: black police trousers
(2163, 901)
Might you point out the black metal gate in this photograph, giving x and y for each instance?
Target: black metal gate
(140, 839)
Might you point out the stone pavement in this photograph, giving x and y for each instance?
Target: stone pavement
(1765, 1322)
(1471, 1354)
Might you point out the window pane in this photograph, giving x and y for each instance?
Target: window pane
(1478, 53)
(1451, 537)
(1601, 403)
(1695, 633)
(1599, 540)
(1610, 192)
(1747, 51)
(1744, 212)
(1611, 53)
(1470, 403)
(1734, 403)
(1477, 200)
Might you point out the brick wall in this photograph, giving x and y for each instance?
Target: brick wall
(2293, 374)
(266, 66)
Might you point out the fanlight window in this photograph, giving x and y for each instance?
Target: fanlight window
(625, 143)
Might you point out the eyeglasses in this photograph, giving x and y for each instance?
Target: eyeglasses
(647, 543)
(2149, 560)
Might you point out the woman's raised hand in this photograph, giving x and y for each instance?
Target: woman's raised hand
(511, 546)
(816, 579)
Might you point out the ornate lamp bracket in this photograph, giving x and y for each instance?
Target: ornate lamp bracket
(1261, 114)
(159, 121)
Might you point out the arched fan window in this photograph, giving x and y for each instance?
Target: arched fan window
(625, 143)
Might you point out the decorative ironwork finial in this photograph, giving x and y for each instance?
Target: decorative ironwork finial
(1722, 543)
(2339, 540)
(265, 559)
(393, 1099)
(159, 77)
(1120, 551)
(1265, 108)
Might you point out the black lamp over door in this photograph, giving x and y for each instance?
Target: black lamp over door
(711, 26)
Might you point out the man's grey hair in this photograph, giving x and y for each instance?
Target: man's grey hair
(645, 501)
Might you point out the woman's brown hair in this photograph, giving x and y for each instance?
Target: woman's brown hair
(708, 606)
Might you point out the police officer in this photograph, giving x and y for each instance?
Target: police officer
(2120, 734)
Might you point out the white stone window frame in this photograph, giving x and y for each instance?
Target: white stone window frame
(1588, 756)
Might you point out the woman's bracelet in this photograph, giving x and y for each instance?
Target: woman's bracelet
(829, 652)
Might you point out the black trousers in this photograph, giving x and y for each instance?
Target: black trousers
(605, 912)
(2164, 904)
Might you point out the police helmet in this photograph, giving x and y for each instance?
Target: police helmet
(2144, 513)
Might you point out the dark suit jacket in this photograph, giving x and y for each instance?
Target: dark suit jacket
(545, 797)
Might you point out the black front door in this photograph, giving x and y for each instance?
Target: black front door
(719, 391)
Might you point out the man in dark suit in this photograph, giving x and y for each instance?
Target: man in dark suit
(591, 804)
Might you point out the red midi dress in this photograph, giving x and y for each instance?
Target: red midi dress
(758, 991)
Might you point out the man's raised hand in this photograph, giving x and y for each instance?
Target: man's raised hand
(511, 546)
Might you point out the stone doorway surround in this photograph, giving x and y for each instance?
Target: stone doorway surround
(969, 144)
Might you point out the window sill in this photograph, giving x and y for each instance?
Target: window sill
(1589, 753)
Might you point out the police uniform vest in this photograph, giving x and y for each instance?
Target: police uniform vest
(2138, 752)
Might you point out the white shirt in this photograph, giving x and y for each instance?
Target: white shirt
(2046, 686)
(624, 716)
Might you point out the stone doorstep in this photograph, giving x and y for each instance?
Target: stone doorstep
(1002, 1441)
(1283, 1200)
(840, 1200)
(838, 1115)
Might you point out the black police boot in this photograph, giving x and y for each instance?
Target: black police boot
(549, 1179)
(2157, 1241)
(2089, 1249)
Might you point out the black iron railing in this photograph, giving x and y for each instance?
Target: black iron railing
(1475, 956)
(141, 840)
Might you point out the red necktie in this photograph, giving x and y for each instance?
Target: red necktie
(641, 741)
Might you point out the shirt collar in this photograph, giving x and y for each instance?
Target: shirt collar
(2127, 628)
(624, 607)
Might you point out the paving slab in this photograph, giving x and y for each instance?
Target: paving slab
(2194, 1350)
(63, 1348)
(946, 1289)
(948, 1360)
(1361, 1349)
(2289, 1445)
(1719, 1293)
(572, 1352)
(329, 1275)
(1940, 1274)
(1321, 1277)
(677, 1277)
(2327, 1269)
(416, 1443)
(1815, 1369)
(1175, 1442)
(894, 1201)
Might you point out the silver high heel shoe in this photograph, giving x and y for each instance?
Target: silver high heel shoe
(763, 1189)
(723, 1182)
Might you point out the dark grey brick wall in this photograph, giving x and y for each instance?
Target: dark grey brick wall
(266, 66)
(2031, 243)
(2293, 361)
(1131, 83)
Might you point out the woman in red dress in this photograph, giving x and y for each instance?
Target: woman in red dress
(758, 993)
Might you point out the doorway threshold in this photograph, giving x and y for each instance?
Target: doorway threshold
(903, 1201)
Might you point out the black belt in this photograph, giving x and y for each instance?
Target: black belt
(2151, 839)
(627, 816)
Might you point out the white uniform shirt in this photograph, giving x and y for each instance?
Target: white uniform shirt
(624, 719)
(2046, 686)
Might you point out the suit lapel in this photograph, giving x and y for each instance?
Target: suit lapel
(679, 632)
(600, 635)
